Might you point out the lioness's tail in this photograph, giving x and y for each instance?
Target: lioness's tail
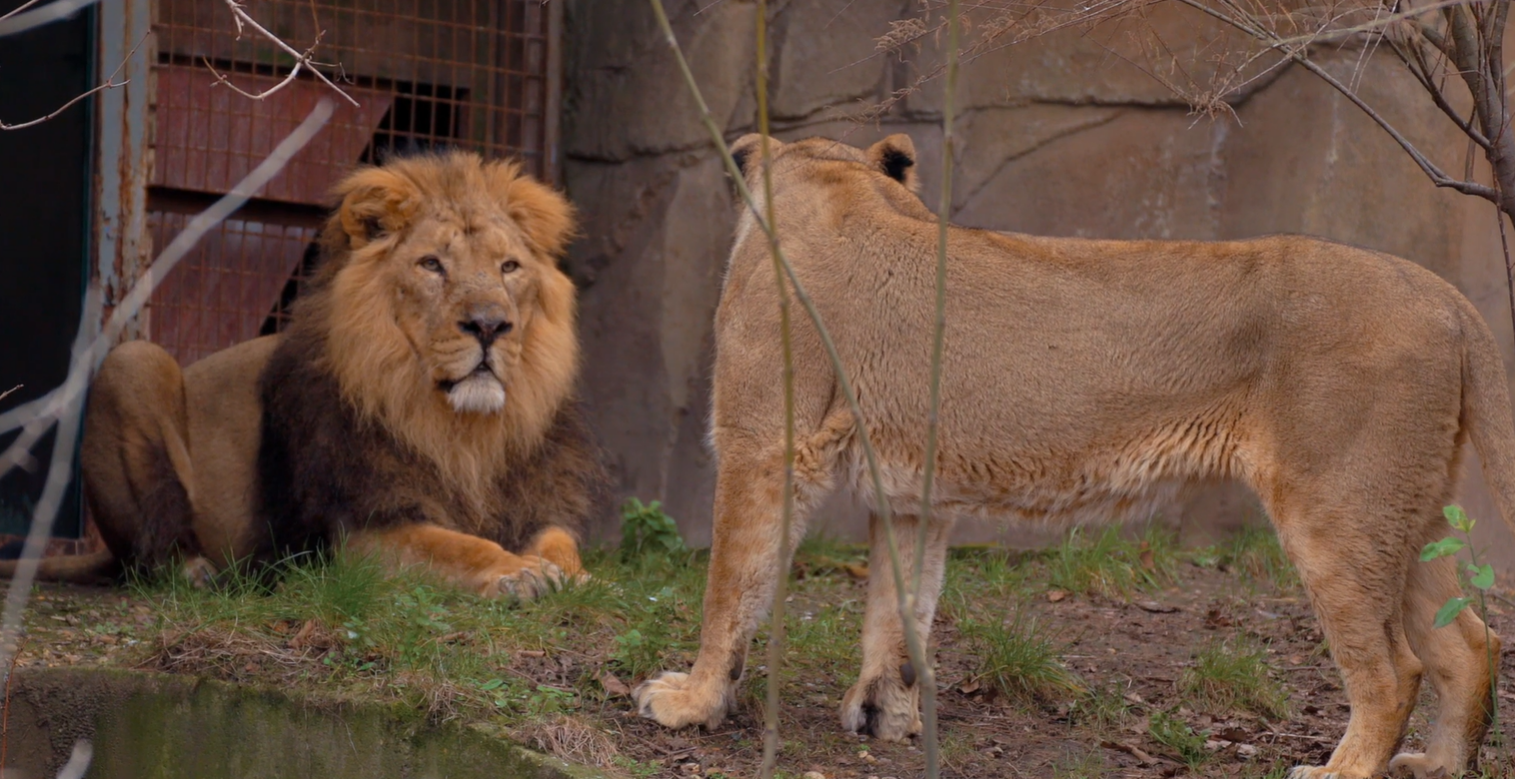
(1486, 410)
(78, 568)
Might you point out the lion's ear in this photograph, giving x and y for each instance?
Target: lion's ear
(375, 202)
(895, 156)
(546, 217)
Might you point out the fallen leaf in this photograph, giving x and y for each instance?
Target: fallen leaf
(857, 571)
(300, 638)
(969, 688)
(1056, 595)
(531, 653)
(1149, 563)
(614, 686)
(1155, 607)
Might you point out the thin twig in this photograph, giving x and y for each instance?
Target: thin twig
(926, 677)
(12, 12)
(301, 59)
(6, 393)
(913, 641)
(61, 407)
(110, 83)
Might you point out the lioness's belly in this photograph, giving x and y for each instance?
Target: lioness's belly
(224, 419)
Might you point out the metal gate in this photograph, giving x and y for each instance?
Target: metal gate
(427, 74)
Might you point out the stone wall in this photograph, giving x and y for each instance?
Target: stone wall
(1059, 137)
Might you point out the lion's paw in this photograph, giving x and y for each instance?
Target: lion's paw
(672, 702)
(535, 578)
(883, 708)
(1422, 766)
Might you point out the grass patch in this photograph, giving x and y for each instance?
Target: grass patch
(1105, 562)
(1234, 674)
(1017, 660)
(1101, 707)
(1254, 553)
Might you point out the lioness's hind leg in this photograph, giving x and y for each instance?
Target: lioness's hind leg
(135, 460)
(885, 701)
(1353, 577)
(1457, 658)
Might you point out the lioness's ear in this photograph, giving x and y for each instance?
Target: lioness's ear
(545, 216)
(375, 202)
(748, 150)
(895, 156)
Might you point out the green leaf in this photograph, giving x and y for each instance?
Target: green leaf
(491, 684)
(1482, 576)
(1450, 610)
(1442, 548)
(1457, 518)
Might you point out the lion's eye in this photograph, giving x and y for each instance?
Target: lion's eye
(432, 264)
(510, 266)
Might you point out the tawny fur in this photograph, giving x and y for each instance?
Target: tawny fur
(1088, 381)
(344, 429)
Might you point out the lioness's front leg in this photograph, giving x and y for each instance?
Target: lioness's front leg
(465, 561)
(885, 702)
(744, 570)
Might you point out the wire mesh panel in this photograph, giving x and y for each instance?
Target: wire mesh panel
(427, 74)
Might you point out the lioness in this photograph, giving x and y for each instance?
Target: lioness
(1084, 380)
(419, 407)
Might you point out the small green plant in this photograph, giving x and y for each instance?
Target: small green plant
(1088, 766)
(1016, 660)
(1479, 576)
(1234, 674)
(1177, 736)
(645, 530)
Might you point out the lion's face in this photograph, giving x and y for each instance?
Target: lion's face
(443, 298)
(466, 288)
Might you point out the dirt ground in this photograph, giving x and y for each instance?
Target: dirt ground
(1129, 653)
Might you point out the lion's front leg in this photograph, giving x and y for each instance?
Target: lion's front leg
(885, 702)
(465, 561)
(744, 570)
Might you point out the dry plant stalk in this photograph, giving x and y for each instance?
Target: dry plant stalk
(776, 618)
(914, 642)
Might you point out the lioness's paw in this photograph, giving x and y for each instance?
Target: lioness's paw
(672, 702)
(1316, 772)
(535, 578)
(883, 708)
(199, 571)
(1420, 765)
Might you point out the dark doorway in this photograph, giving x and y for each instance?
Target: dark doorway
(45, 224)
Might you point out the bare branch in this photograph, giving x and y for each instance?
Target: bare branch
(18, 9)
(110, 83)
(6, 393)
(302, 59)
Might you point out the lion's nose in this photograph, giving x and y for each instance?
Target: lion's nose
(486, 324)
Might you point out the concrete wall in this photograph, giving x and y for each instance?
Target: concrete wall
(1059, 138)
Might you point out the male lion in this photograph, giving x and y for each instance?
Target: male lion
(419, 407)
(1085, 380)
